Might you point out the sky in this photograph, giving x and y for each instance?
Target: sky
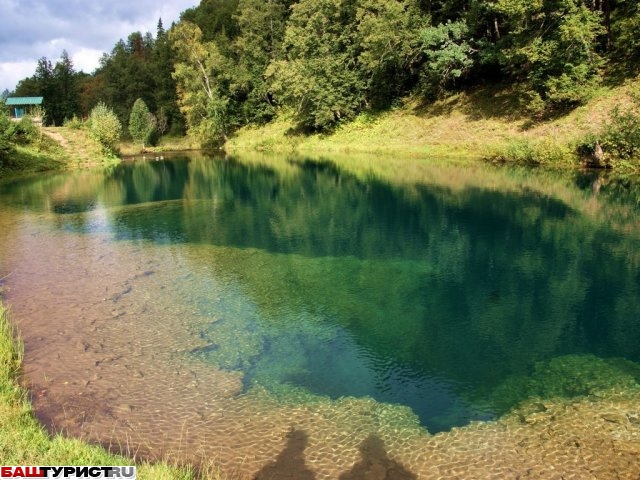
(32, 29)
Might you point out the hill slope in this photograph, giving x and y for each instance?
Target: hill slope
(484, 124)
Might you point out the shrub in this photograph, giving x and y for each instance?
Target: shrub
(622, 134)
(6, 146)
(586, 145)
(75, 123)
(22, 132)
(105, 127)
(528, 152)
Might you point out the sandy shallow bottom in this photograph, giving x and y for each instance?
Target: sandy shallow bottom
(107, 330)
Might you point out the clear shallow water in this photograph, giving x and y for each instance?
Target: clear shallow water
(453, 301)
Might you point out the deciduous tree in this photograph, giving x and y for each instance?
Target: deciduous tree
(201, 73)
(141, 123)
(319, 75)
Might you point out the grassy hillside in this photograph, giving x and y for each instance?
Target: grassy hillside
(38, 149)
(79, 150)
(487, 123)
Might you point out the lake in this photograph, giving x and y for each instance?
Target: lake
(292, 318)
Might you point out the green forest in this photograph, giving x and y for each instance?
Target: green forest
(231, 63)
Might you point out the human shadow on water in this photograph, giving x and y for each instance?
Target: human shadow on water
(289, 464)
(375, 464)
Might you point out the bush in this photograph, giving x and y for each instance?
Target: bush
(586, 146)
(528, 152)
(6, 145)
(22, 132)
(621, 135)
(13, 133)
(75, 123)
(105, 127)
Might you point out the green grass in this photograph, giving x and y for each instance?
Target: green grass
(80, 150)
(41, 155)
(55, 148)
(167, 143)
(488, 123)
(23, 441)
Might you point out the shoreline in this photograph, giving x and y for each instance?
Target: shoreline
(25, 440)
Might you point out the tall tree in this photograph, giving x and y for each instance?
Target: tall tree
(57, 84)
(261, 27)
(624, 28)
(551, 47)
(387, 36)
(66, 94)
(128, 75)
(343, 56)
(215, 18)
(319, 76)
(165, 87)
(201, 73)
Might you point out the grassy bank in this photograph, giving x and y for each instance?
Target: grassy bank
(23, 441)
(488, 123)
(39, 154)
(53, 148)
(167, 143)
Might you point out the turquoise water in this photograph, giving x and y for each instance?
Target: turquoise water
(457, 300)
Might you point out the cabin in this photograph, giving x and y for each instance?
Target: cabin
(25, 106)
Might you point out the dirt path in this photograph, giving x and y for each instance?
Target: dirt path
(55, 135)
(80, 149)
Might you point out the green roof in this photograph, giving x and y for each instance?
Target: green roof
(23, 101)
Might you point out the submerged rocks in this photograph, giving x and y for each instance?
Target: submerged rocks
(568, 377)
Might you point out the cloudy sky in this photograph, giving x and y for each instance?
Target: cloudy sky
(32, 29)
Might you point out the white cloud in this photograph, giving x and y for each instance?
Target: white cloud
(12, 72)
(32, 29)
(86, 59)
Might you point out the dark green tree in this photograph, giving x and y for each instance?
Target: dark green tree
(65, 100)
(58, 85)
(261, 27)
(624, 28)
(41, 84)
(165, 88)
(215, 18)
(389, 53)
(141, 67)
(449, 54)
(128, 75)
